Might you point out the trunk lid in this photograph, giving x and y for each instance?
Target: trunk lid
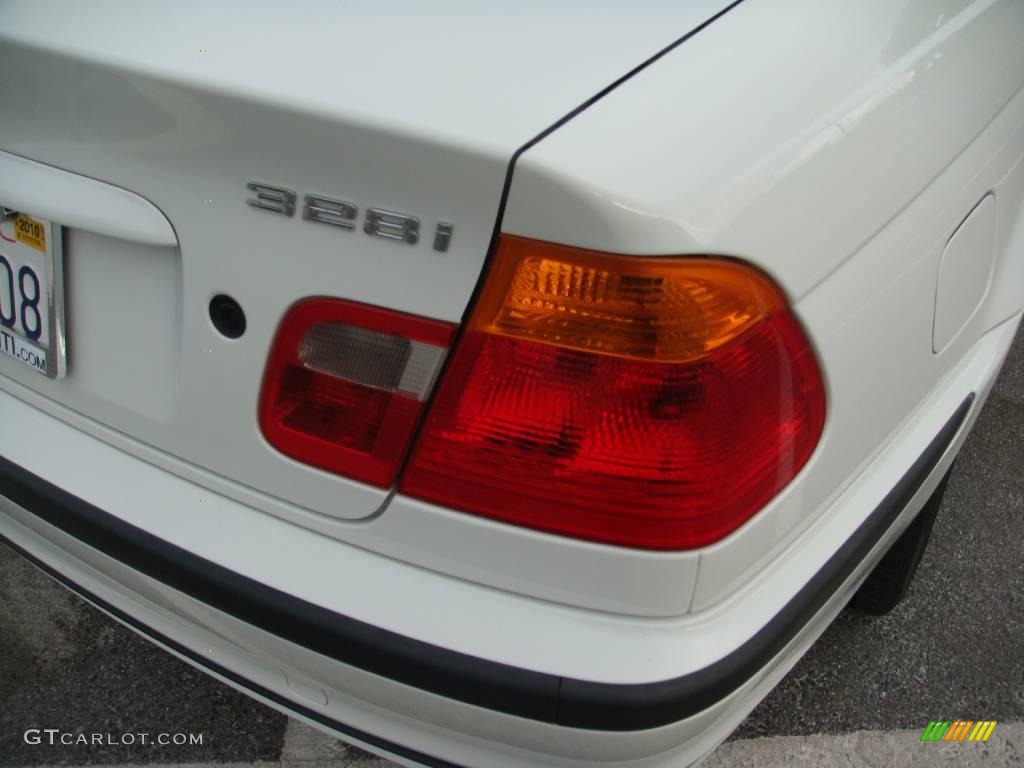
(418, 111)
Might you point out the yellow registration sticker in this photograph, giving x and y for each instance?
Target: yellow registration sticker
(30, 232)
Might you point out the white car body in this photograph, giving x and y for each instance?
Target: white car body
(837, 146)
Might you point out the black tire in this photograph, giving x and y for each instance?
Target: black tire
(887, 585)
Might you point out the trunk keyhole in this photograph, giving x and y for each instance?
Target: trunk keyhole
(227, 316)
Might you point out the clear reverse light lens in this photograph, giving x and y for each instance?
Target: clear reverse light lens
(345, 385)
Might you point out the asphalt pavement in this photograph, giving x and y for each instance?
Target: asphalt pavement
(953, 650)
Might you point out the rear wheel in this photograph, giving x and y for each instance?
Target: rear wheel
(889, 582)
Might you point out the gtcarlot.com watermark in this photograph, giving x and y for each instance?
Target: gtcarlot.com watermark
(55, 736)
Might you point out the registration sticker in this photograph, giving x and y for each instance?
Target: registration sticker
(32, 293)
(30, 232)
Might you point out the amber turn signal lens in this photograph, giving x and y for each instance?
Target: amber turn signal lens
(664, 309)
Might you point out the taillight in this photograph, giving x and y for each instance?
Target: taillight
(655, 403)
(345, 384)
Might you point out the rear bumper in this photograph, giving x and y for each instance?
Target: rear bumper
(503, 688)
(426, 703)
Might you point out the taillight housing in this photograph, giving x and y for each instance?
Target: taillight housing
(345, 384)
(654, 403)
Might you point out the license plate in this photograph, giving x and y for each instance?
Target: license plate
(32, 293)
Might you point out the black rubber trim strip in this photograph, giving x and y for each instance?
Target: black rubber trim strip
(244, 682)
(421, 665)
(500, 687)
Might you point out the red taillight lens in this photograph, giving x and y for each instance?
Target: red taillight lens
(650, 403)
(345, 385)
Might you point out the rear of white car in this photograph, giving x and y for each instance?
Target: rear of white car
(499, 388)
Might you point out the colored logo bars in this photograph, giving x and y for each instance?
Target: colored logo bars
(958, 730)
